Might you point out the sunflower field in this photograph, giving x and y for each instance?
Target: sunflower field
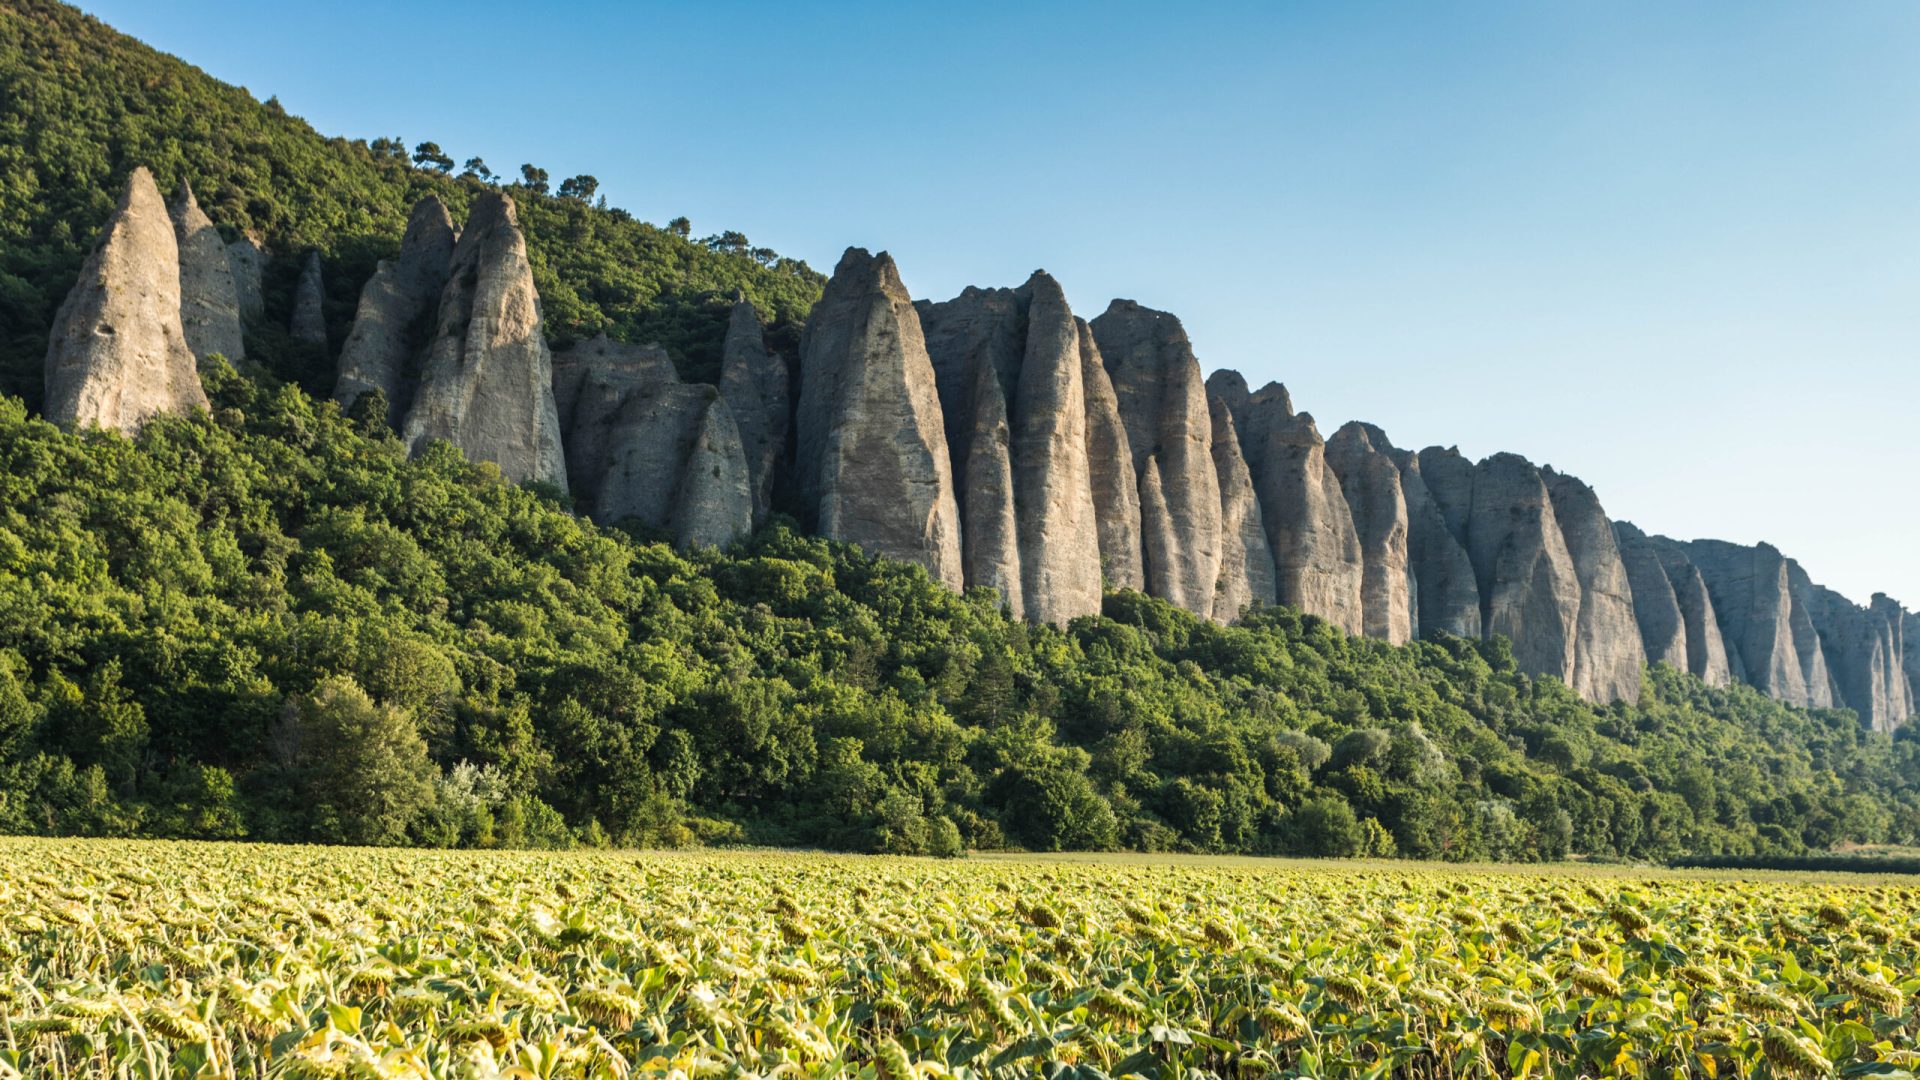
(156, 959)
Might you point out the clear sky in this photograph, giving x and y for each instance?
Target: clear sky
(1673, 249)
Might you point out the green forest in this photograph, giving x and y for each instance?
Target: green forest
(268, 622)
(265, 621)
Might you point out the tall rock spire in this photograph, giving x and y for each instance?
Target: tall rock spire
(1656, 606)
(1529, 589)
(308, 324)
(1316, 549)
(1607, 651)
(1163, 405)
(757, 387)
(1360, 456)
(1116, 490)
(872, 462)
(396, 310)
(487, 382)
(1009, 369)
(118, 354)
(1247, 570)
(209, 303)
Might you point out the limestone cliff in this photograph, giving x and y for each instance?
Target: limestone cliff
(486, 384)
(247, 262)
(758, 389)
(309, 322)
(1656, 607)
(644, 446)
(1163, 405)
(1529, 589)
(1318, 562)
(1247, 570)
(1607, 651)
(1370, 481)
(209, 303)
(871, 455)
(396, 311)
(1446, 597)
(1116, 491)
(117, 353)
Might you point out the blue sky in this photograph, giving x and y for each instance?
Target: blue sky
(1671, 248)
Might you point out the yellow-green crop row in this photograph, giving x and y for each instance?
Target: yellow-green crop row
(145, 959)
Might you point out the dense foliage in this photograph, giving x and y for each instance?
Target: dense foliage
(268, 622)
(177, 960)
(81, 106)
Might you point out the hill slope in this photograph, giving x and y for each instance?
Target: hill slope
(81, 105)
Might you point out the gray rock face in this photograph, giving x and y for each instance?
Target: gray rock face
(643, 445)
(486, 385)
(247, 262)
(209, 304)
(1370, 480)
(396, 311)
(1246, 562)
(757, 387)
(872, 462)
(1656, 608)
(1319, 565)
(1707, 652)
(1607, 651)
(1529, 590)
(1822, 690)
(1446, 596)
(1009, 370)
(117, 354)
(309, 322)
(1449, 478)
(1163, 405)
(1750, 594)
(1116, 491)
(1865, 649)
(1910, 650)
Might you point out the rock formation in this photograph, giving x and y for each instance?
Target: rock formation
(1009, 370)
(395, 313)
(1318, 563)
(1116, 490)
(1529, 589)
(1748, 586)
(1246, 562)
(309, 322)
(1370, 480)
(1446, 597)
(1910, 649)
(209, 304)
(1163, 405)
(643, 445)
(246, 262)
(1656, 607)
(486, 384)
(757, 387)
(871, 456)
(1864, 652)
(117, 353)
(1607, 650)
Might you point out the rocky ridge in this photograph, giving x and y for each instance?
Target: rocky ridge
(998, 441)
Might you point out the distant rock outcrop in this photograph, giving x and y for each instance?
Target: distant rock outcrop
(1360, 456)
(1529, 589)
(396, 312)
(117, 353)
(486, 385)
(758, 389)
(1319, 565)
(1247, 570)
(1749, 589)
(309, 323)
(209, 304)
(871, 458)
(1163, 405)
(1116, 489)
(1656, 607)
(1446, 597)
(643, 445)
(1009, 370)
(1863, 647)
(247, 263)
(1607, 651)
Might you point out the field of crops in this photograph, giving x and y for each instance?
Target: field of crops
(154, 959)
